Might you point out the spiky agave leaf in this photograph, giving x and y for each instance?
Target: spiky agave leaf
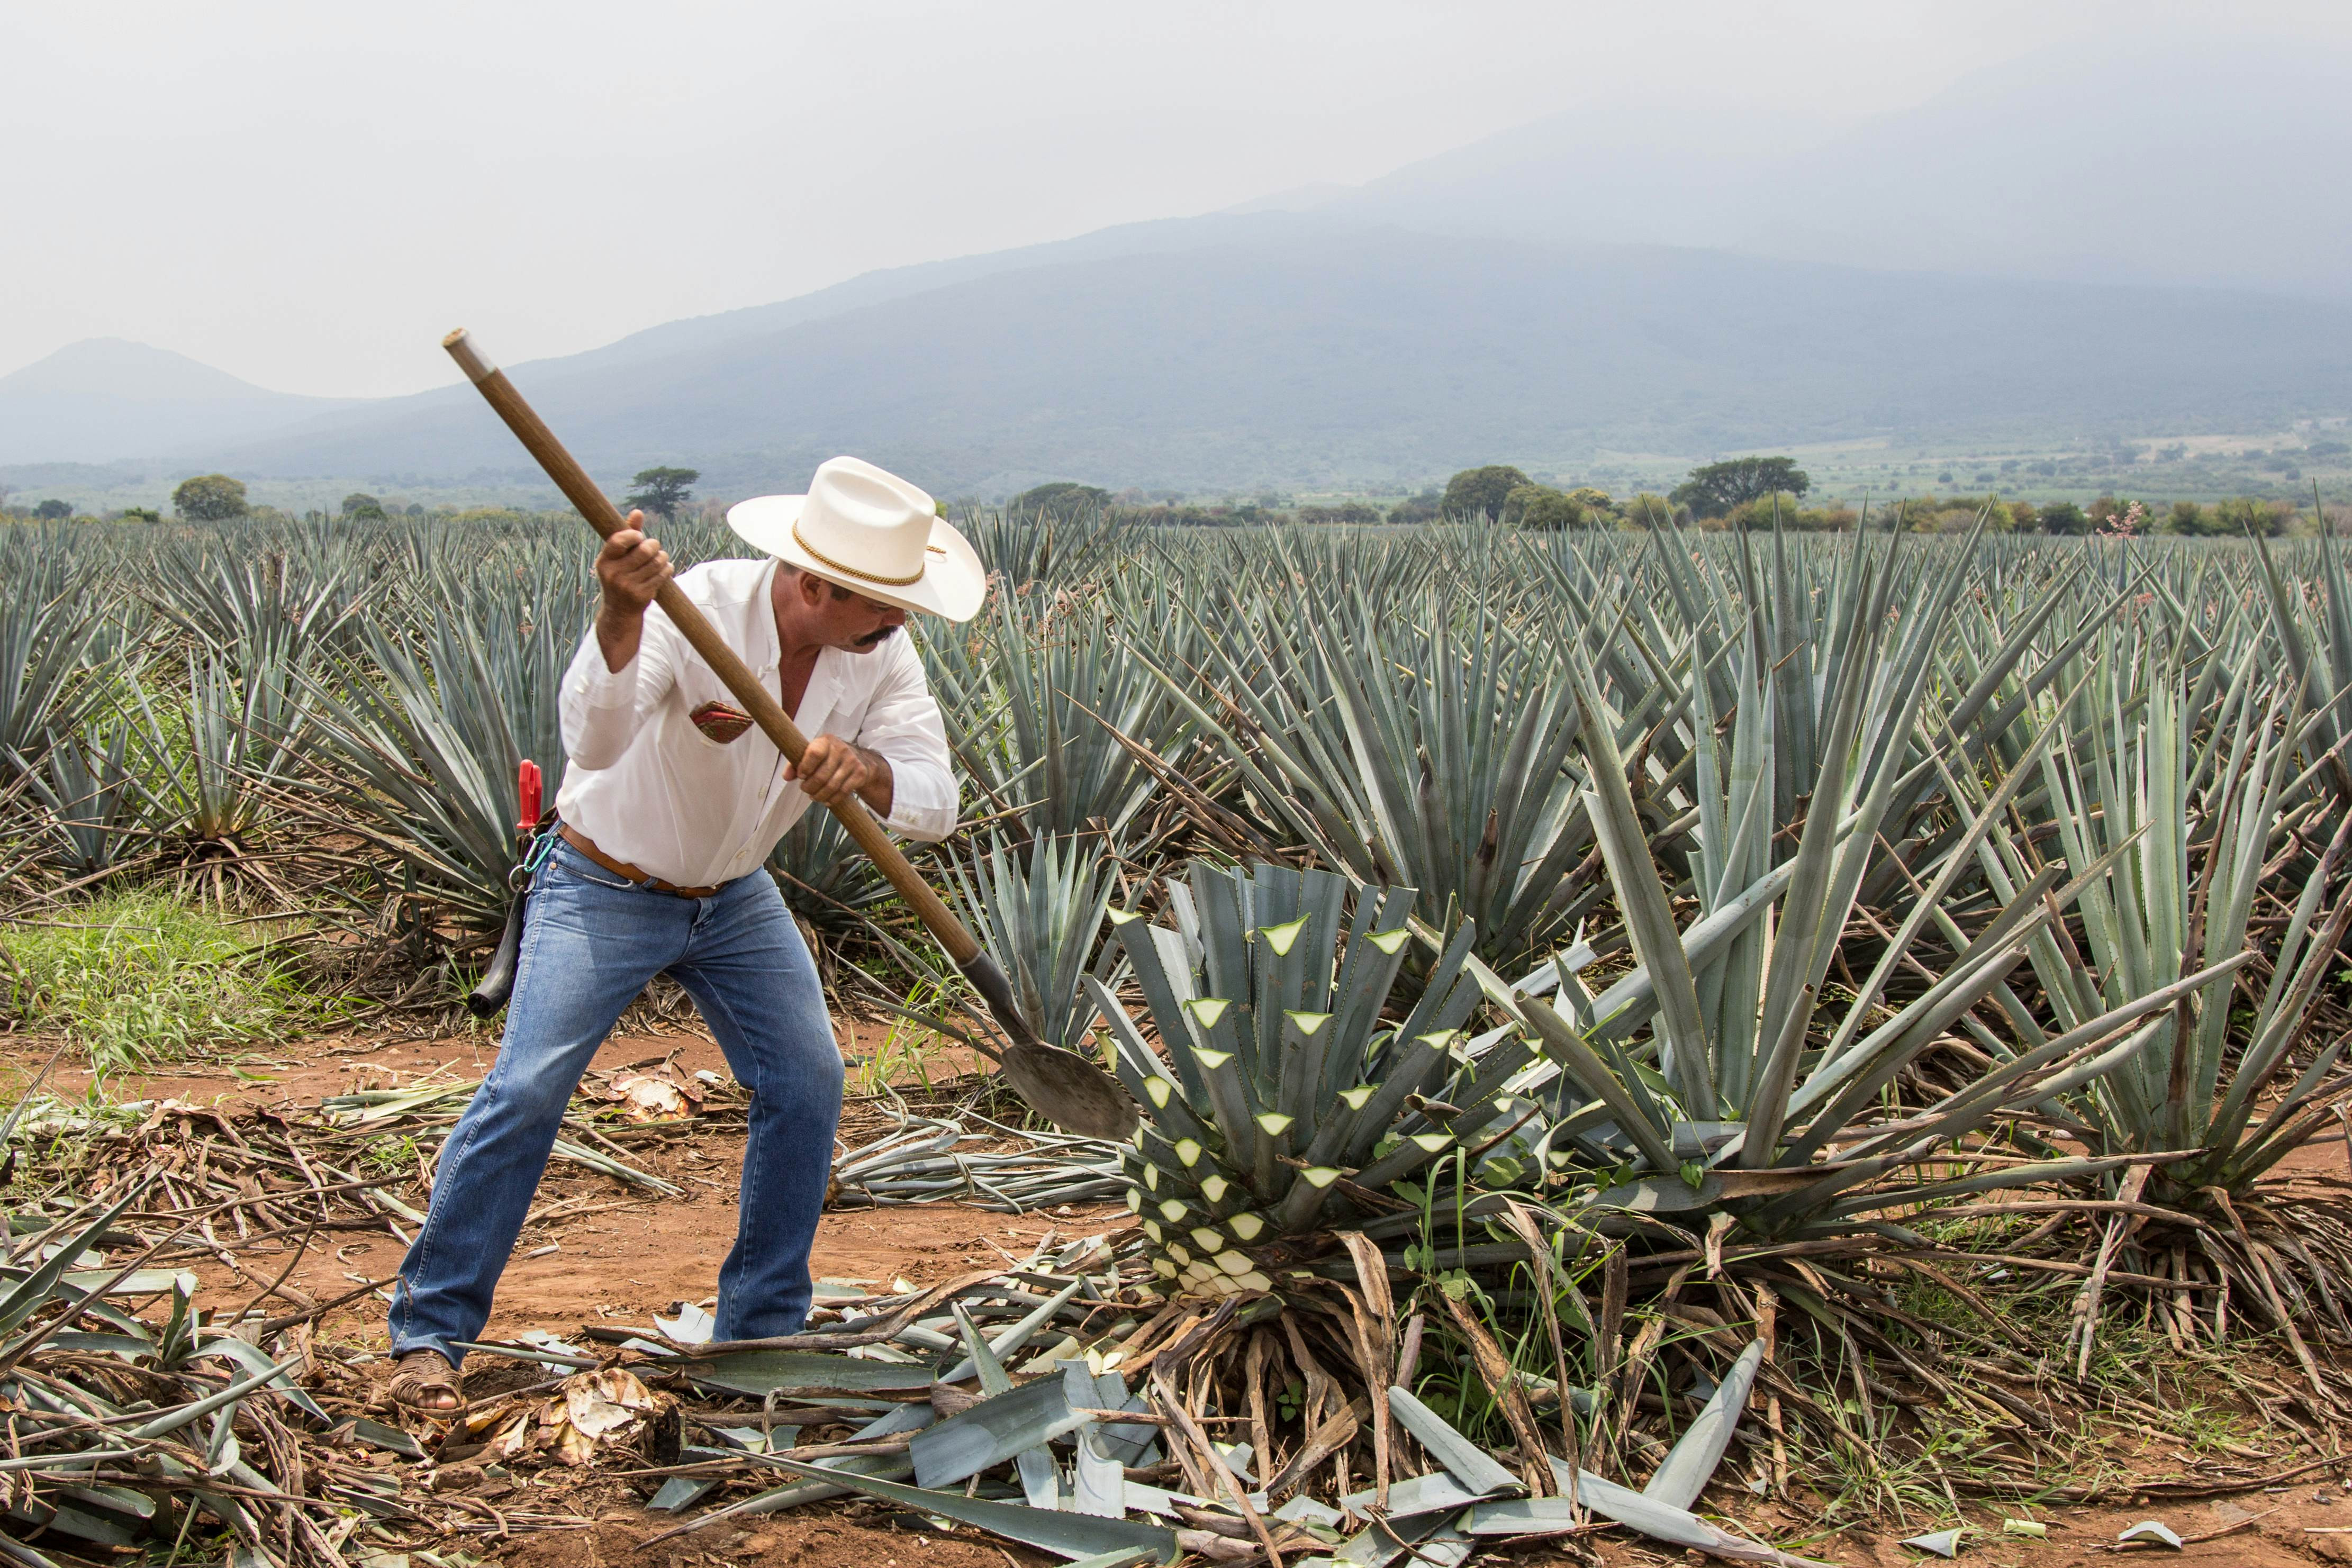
(45, 630)
(1036, 695)
(1404, 747)
(1038, 909)
(825, 877)
(424, 754)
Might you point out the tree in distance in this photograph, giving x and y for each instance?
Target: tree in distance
(360, 504)
(1059, 499)
(210, 498)
(139, 515)
(1713, 489)
(1426, 507)
(662, 491)
(53, 511)
(1482, 492)
(2063, 518)
(1541, 506)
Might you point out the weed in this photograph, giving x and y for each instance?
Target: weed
(903, 1051)
(139, 977)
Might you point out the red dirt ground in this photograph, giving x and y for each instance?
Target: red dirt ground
(620, 1258)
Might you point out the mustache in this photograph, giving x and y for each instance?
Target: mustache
(874, 638)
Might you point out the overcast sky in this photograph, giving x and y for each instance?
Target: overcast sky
(308, 196)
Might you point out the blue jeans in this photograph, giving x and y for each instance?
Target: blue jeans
(592, 942)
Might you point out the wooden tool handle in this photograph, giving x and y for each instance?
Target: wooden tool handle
(765, 710)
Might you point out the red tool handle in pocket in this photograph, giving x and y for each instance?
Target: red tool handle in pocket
(529, 787)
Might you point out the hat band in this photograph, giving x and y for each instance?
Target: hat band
(824, 559)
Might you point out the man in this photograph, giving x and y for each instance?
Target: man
(669, 810)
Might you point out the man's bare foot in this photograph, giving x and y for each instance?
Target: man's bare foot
(424, 1382)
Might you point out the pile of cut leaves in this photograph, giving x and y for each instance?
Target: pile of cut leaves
(133, 1423)
(1059, 1404)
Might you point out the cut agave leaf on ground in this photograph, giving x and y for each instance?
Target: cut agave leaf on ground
(1449, 1548)
(993, 1431)
(692, 1325)
(1624, 1506)
(1431, 1493)
(1685, 1472)
(1041, 1478)
(1071, 1535)
(888, 1467)
(2152, 1530)
(1305, 1510)
(391, 1438)
(1019, 1334)
(1938, 1543)
(1126, 1443)
(980, 1359)
(759, 1373)
(680, 1491)
(1464, 1460)
(1384, 1544)
(1098, 1484)
(750, 1439)
(1124, 1557)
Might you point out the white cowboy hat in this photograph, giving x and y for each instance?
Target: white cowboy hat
(872, 533)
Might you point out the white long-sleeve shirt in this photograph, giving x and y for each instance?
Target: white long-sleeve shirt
(651, 788)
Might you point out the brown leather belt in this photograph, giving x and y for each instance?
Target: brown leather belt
(587, 846)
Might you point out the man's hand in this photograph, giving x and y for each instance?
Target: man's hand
(632, 569)
(832, 770)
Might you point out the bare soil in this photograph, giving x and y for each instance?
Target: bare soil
(617, 1255)
(603, 1253)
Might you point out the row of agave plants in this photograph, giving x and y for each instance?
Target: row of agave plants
(1569, 917)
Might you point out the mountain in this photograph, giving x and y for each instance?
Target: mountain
(1302, 350)
(104, 399)
(2128, 239)
(2157, 156)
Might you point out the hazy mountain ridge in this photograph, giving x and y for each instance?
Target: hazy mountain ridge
(1679, 282)
(2190, 157)
(1342, 354)
(104, 399)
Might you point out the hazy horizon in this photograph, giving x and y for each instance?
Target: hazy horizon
(306, 199)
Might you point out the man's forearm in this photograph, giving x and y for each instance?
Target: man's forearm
(877, 792)
(618, 636)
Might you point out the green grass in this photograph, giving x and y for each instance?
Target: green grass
(138, 977)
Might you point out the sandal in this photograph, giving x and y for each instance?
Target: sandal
(423, 1381)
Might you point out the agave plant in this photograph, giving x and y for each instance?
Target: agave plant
(1279, 1071)
(2185, 827)
(1407, 750)
(824, 876)
(94, 803)
(425, 755)
(272, 607)
(1047, 712)
(1711, 1054)
(1046, 547)
(212, 752)
(45, 630)
(1038, 909)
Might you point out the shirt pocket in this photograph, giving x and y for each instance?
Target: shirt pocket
(698, 693)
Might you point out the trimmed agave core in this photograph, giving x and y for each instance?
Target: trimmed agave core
(1280, 1075)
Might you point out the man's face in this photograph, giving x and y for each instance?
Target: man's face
(838, 618)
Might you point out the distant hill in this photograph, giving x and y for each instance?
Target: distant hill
(104, 399)
(2135, 238)
(1303, 351)
(2160, 155)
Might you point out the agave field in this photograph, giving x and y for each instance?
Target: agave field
(1578, 987)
